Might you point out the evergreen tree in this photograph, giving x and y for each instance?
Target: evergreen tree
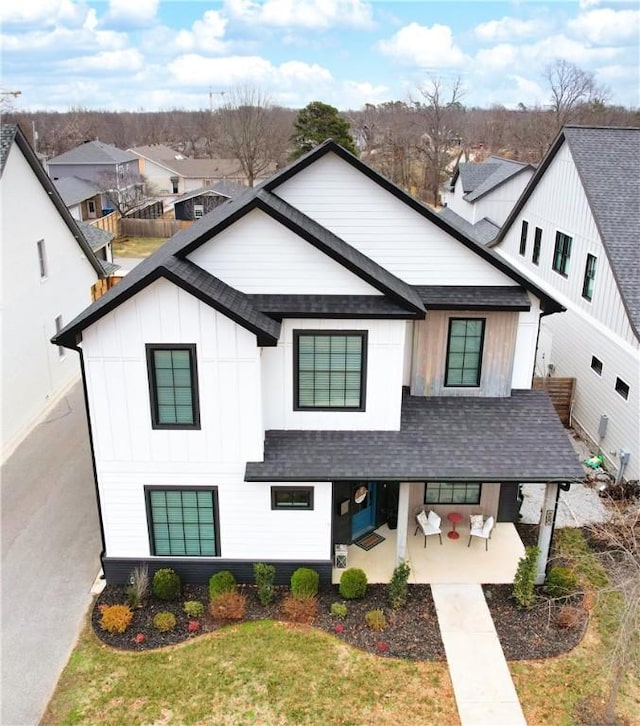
(316, 123)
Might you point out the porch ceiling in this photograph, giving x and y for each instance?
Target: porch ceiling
(519, 438)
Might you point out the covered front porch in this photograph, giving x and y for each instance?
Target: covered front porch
(451, 562)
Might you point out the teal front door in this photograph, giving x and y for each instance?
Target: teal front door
(363, 518)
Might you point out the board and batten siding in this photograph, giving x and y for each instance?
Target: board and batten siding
(430, 353)
(489, 500)
(257, 254)
(366, 216)
(384, 376)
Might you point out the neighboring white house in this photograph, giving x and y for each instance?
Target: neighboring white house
(576, 233)
(318, 337)
(48, 270)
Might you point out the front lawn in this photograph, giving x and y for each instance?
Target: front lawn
(136, 246)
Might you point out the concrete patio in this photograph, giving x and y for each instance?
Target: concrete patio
(451, 562)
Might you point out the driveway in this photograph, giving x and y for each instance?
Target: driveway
(50, 556)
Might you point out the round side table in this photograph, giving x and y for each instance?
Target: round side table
(455, 518)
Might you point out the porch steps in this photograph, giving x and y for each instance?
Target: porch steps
(485, 694)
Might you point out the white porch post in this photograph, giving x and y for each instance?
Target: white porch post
(547, 517)
(403, 522)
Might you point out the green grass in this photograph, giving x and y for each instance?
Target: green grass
(136, 246)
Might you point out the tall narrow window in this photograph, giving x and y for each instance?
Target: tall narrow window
(173, 386)
(596, 365)
(562, 253)
(329, 370)
(589, 277)
(523, 237)
(464, 352)
(42, 259)
(58, 324)
(537, 244)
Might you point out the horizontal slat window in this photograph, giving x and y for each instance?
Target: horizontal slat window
(291, 498)
(173, 386)
(452, 493)
(182, 522)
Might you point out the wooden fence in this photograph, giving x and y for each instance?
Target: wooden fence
(164, 228)
(561, 391)
(109, 223)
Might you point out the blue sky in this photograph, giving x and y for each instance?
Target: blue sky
(163, 54)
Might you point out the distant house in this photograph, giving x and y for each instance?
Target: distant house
(48, 270)
(83, 198)
(196, 204)
(170, 172)
(576, 232)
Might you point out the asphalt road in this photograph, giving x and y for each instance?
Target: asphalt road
(50, 557)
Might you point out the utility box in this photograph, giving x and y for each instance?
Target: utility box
(340, 557)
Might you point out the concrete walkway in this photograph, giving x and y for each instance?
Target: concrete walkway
(484, 691)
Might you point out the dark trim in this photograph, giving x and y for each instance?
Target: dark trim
(364, 334)
(524, 233)
(622, 388)
(589, 276)
(150, 348)
(481, 354)
(562, 248)
(291, 508)
(537, 247)
(173, 487)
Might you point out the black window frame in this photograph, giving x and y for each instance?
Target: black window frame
(562, 254)
(363, 334)
(622, 388)
(148, 489)
(524, 233)
(453, 485)
(283, 506)
(589, 279)
(537, 246)
(153, 389)
(480, 354)
(596, 365)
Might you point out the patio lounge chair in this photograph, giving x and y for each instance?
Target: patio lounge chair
(484, 532)
(429, 524)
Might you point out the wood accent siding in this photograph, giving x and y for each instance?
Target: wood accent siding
(560, 392)
(430, 351)
(489, 498)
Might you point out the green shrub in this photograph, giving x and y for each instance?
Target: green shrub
(524, 582)
(164, 621)
(561, 582)
(339, 610)
(264, 576)
(220, 583)
(193, 608)
(353, 584)
(166, 584)
(305, 582)
(115, 618)
(376, 620)
(398, 586)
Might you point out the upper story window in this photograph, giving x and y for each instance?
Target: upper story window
(464, 352)
(596, 365)
(537, 244)
(42, 259)
(523, 237)
(173, 386)
(622, 388)
(329, 370)
(562, 253)
(589, 277)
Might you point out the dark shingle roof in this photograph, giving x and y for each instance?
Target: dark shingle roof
(74, 190)
(97, 238)
(469, 297)
(482, 232)
(7, 135)
(441, 438)
(93, 152)
(329, 306)
(479, 179)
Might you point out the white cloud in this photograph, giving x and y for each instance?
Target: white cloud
(507, 29)
(63, 41)
(129, 60)
(498, 58)
(205, 35)
(317, 14)
(607, 26)
(585, 4)
(42, 12)
(421, 45)
(132, 12)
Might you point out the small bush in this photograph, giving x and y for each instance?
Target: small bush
(398, 586)
(300, 609)
(339, 610)
(193, 608)
(561, 582)
(164, 621)
(376, 620)
(569, 617)
(353, 584)
(305, 582)
(166, 584)
(524, 582)
(228, 606)
(115, 618)
(193, 626)
(382, 646)
(138, 586)
(220, 583)
(339, 628)
(264, 576)
(140, 638)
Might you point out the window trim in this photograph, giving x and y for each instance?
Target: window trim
(537, 246)
(153, 391)
(481, 354)
(148, 488)
(622, 388)
(291, 507)
(524, 233)
(562, 253)
(453, 483)
(596, 365)
(589, 278)
(42, 259)
(364, 335)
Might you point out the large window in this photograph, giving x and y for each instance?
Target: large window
(183, 522)
(562, 253)
(452, 492)
(329, 370)
(173, 386)
(537, 244)
(291, 498)
(589, 277)
(464, 352)
(523, 237)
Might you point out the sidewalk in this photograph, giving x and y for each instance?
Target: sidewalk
(485, 694)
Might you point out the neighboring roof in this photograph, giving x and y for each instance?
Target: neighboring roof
(480, 178)
(608, 163)
(473, 297)
(93, 152)
(330, 306)
(482, 232)
(10, 134)
(210, 191)
(444, 438)
(96, 237)
(74, 190)
(110, 268)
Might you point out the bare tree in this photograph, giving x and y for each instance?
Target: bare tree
(571, 87)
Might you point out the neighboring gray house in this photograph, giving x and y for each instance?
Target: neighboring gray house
(196, 204)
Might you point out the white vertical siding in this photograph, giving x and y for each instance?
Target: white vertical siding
(497, 204)
(526, 341)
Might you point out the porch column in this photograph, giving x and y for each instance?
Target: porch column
(547, 519)
(403, 522)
